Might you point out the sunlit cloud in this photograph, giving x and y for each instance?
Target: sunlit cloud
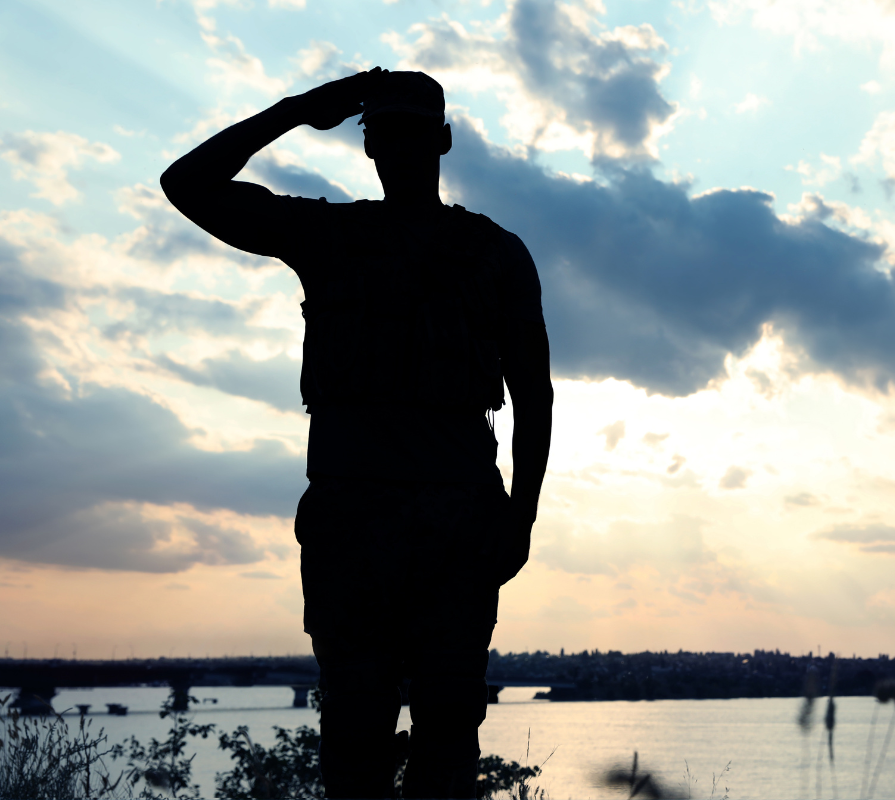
(562, 85)
(45, 160)
(878, 144)
(830, 170)
(809, 22)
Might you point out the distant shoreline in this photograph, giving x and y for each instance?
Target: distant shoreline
(589, 675)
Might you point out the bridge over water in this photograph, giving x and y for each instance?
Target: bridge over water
(36, 682)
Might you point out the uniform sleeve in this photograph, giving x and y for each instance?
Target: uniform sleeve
(309, 234)
(523, 287)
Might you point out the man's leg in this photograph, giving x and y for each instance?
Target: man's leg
(352, 563)
(358, 717)
(454, 612)
(447, 706)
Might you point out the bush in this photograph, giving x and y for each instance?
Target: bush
(289, 769)
(40, 759)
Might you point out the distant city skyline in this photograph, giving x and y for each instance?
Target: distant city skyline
(708, 191)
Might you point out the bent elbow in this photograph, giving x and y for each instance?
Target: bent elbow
(170, 182)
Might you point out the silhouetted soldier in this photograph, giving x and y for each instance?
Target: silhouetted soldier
(415, 314)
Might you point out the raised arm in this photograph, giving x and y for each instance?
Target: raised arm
(247, 216)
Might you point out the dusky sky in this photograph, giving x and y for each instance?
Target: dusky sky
(708, 190)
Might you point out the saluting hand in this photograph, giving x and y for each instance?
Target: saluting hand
(332, 103)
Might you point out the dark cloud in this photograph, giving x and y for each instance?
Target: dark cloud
(603, 83)
(804, 499)
(289, 179)
(677, 461)
(853, 182)
(606, 83)
(642, 282)
(274, 381)
(734, 478)
(151, 313)
(348, 132)
(261, 574)
(21, 293)
(157, 313)
(166, 236)
(116, 537)
(873, 538)
(614, 433)
(73, 465)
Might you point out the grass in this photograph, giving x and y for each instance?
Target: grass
(41, 758)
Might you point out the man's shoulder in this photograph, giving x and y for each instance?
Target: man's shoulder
(508, 239)
(517, 267)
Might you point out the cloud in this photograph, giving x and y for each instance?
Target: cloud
(148, 312)
(654, 439)
(643, 282)
(803, 499)
(670, 547)
(295, 180)
(321, 62)
(871, 87)
(260, 575)
(80, 462)
(751, 102)
(45, 159)
(677, 461)
(274, 381)
(872, 538)
(614, 433)
(115, 536)
(235, 67)
(878, 144)
(809, 21)
(296, 5)
(564, 87)
(122, 131)
(734, 478)
(166, 236)
(814, 176)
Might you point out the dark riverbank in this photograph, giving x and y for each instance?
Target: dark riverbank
(589, 675)
(688, 676)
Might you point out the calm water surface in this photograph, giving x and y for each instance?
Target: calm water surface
(769, 757)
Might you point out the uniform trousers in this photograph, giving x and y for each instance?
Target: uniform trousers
(397, 584)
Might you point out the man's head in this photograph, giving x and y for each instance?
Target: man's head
(405, 133)
(411, 92)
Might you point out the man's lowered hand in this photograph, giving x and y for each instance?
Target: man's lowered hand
(513, 544)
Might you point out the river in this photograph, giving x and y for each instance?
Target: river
(768, 754)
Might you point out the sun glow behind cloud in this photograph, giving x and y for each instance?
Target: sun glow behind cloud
(719, 477)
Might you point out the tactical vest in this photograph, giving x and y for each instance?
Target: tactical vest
(393, 325)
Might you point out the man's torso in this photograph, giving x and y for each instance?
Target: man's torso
(401, 439)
